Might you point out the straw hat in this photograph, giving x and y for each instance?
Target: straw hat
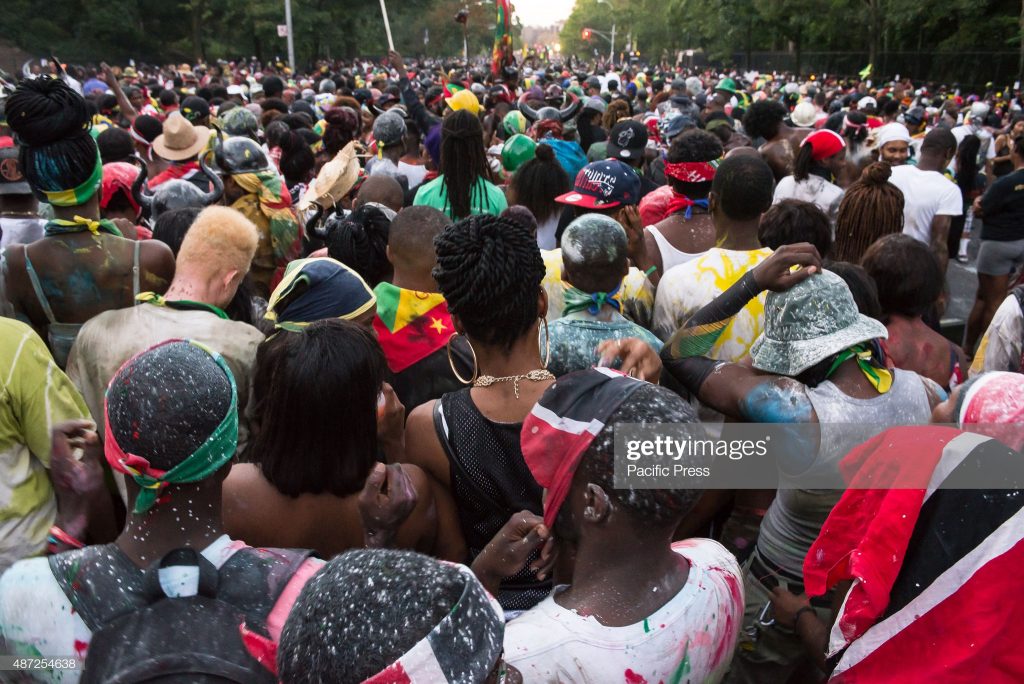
(180, 139)
(335, 179)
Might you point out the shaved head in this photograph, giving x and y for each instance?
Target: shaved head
(382, 190)
(411, 240)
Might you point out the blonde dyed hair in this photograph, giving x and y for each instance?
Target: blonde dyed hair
(220, 240)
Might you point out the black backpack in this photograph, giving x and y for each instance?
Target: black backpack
(142, 635)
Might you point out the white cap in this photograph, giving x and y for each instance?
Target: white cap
(867, 101)
(894, 132)
(979, 110)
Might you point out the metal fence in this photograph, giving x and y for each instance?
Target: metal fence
(968, 69)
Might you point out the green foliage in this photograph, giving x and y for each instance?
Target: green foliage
(183, 30)
(726, 30)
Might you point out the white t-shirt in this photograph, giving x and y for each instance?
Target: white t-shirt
(816, 190)
(690, 638)
(414, 173)
(926, 194)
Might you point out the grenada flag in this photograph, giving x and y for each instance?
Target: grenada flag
(410, 325)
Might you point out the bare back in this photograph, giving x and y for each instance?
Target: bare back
(82, 275)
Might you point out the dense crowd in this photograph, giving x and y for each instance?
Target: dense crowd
(322, 377)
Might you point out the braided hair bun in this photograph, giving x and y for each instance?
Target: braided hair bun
(45, 110)
(52, 124)
(489, 270)
(876, 174)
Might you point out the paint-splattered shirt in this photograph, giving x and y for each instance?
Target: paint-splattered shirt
(35, 395)
(636, 294)
(38, 620)
(690, 638)
(690, 286)
(574, 340)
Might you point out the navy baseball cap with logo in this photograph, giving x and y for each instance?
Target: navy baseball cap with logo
(12, 180)
(604, 185)
(627, 140)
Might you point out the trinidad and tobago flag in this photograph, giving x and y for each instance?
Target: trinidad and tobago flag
(410, 325)
(937, 588)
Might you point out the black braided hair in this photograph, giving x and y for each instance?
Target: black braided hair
(360, 241)
(52, 124)
(489, 269)
(462, 160)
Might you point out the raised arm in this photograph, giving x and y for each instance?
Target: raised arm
(122, 101)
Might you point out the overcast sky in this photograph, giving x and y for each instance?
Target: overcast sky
(542, 12)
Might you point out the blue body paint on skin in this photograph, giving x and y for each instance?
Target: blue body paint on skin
(772, 403)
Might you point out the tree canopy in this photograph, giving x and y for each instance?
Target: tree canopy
(188, 30)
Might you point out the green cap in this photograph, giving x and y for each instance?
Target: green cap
(726, 84)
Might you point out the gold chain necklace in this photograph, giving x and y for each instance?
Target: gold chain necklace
(538, 375)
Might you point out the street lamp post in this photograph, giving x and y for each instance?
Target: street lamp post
(291, 41)
(611, 53)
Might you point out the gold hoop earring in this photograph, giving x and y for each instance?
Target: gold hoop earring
(451, 361)
(547, 343)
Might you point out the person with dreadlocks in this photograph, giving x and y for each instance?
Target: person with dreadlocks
(463, 187)
(172, 430)
(489, 270)
(817, 361)
(870, 209)
(83, 265)
(821, 158)
(679, 224)
(765, 120)
(254, 188)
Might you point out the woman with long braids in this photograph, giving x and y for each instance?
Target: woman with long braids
(83, 265)
(489, 270)
(463, 187)
(870, 208)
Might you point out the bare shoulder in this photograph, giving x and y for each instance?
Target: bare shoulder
(422, 446)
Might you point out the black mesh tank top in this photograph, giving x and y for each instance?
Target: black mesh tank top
(490, 482)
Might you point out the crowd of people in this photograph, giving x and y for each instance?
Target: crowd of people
(319, 377)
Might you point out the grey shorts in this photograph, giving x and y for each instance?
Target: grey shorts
(999, 258)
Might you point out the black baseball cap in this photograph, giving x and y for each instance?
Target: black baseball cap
(195, 108)
(627, 140)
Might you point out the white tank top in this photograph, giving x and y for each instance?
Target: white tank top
(670, 256)
(795, 517)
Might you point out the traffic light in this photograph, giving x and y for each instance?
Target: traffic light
(586, 34)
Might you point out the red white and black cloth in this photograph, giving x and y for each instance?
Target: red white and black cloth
(463, 647)
(937, 584)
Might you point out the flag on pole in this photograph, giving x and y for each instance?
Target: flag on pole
(502, 55)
